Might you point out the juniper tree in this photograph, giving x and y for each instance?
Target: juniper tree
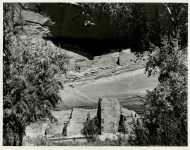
(31, 78)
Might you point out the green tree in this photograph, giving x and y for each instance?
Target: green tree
(165, 108)
(91, 130)
(128, 19)
(142, 24)
(176, 16)
(31, 78)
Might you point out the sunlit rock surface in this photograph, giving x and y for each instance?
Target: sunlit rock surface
(38, 128)
(79, 116)
(109, 115)
(125, 86)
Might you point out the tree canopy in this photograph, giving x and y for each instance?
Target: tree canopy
(31, 78)
(142, 24)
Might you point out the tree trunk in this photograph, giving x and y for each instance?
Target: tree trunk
(20, 139)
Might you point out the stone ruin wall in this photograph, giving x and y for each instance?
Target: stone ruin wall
(79, 116)
(39, 128)
(123, 58)
(111, 115)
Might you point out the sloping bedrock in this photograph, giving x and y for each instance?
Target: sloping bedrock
(126, 87)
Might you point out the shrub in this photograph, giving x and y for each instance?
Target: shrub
(165, 108)
(91, 130)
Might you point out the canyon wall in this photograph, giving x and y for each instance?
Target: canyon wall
(118, 74)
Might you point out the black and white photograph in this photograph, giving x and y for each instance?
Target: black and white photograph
(95, 74)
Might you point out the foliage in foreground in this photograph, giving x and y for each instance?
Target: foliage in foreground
(31, 73)
(91, 130)
(165, 108)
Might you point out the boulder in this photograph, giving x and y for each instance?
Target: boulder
(108, 115)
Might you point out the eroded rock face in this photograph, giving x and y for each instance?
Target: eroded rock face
(109, 115)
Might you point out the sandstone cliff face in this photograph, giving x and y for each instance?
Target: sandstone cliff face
(34, 30)
(112, 59)
(122, 83)
(117, 75)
